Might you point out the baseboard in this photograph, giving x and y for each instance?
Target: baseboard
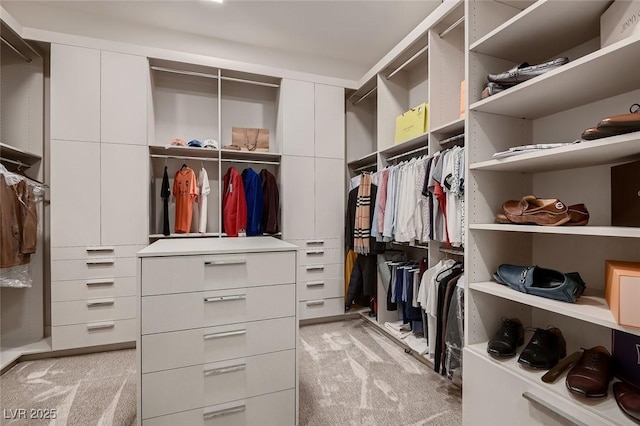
(78, 351)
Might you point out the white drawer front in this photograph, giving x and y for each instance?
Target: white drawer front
(102, 267)
(93, 334)
(90, 310)
(321, 289)
(318, 243)
(164, 351)
(320, 271)
(188, 388)
(313, 256)
(174, 275)
(211, 308)
(274, 409)
(71, 253)
(62, 291)
(320, 308)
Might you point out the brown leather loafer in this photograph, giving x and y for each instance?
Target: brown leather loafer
(591, 375)
(628, 399)
(578, 215)
(629, 121)
(538, 211)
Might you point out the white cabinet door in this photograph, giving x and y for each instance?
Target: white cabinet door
(329, 121)
(75, 194)
(123, 189)
(124, 82)
(75, 93)
(298, 117)
(297, 189)
(329, 197)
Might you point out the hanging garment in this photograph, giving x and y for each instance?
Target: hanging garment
(18, 222)
(165, 193)
(381, 202)
(203, 191)
(363, 281)
(350, 220)
(349, 261)
(255, 204)
(446, 278)
(185, 191)
(271, 199)
(362, 227)
(389, 213)
(234, 204)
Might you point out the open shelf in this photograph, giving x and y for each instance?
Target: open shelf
(245, 156)
(367, 160)
(590, 307)
(554, 33)
(11, 153)
(595, 231)
(584, 154)
(409, 245)
(565, 88)
(605, 409)
(184, 151)
(456, 126)
(406, 146)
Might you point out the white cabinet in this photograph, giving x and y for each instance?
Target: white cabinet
(123, 103)
(329, 121)
(329, 198)
(75, 193)
(75, 93)
(298, 197)
(298, 118)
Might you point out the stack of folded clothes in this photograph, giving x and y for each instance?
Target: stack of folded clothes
(540, 211)
(615, 125)
(518, 74)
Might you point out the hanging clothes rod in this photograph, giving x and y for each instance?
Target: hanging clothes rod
(15, 49)
(257, 83)
(452, 27)
(184, 157)
(459, 252)
(231, 160)
(452, 139)
(366, 167)
(214, 76)
(407, 62)
(364, 96)
(18, 163)
(404, 154)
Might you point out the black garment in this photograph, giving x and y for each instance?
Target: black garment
(351, 217)
(444, 280)
(165, 193)
(428, 194)
(363, 281)
(271, 199)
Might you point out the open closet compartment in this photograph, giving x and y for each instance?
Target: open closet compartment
(22, 310)
(201, 103)
(361, 116)
(546, 109)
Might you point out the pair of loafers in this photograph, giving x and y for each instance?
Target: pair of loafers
(543, 282)
(519, 74)
(615, 125)
(541, 211)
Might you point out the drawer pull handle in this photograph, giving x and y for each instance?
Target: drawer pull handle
(225, 298)
(312, 252)
(100, 249)
(551, 407)
(101, 262)
(315, 284)
(213, 414)
(315, 303)
(226, 262)
(101, 325)
(100, 282)
(225, 370)
(224, 334)
(314, 242)
(315, 268)
(101, 302)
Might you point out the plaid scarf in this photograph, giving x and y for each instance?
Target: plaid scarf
(362, 228)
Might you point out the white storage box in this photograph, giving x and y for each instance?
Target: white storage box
(619, 21)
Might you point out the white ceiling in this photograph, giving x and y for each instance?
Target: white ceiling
(344, 38)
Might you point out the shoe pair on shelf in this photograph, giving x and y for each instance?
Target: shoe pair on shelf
(542, 211)
(544, 350)
(519, 74)
(549, 283)
(615, 125)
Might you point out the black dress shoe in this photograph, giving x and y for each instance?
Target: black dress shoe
(524, 72)
(545, 349)
(508, 337)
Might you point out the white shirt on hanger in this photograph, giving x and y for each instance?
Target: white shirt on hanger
(203, 190)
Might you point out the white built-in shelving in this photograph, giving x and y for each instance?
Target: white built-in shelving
(589, 230)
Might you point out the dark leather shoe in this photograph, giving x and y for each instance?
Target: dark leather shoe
(545, 349)
(628, 399)
(591, 375)
(629, 121)
(537, 211)
(524, 72)
(593, 133)
(507, 339)
(541, 282)
(578, 215)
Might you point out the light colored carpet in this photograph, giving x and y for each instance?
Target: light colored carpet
(350, 374)
(97, 389)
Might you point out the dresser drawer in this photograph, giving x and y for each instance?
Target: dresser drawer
(321, 289)
(90, 310)
(197, 273)
(62, 291)
(81, 253)
(314, 256)
(274, 409)
(164, 351)
(319, 243)
(320, 308)
(320, 271)
(99, 267)
(183, 311)
(93, 334)
(189, 388)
